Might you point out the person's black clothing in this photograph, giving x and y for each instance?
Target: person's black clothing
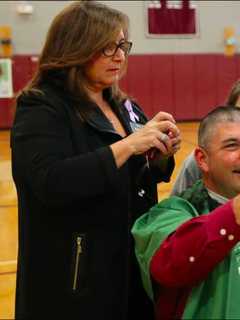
(76, 209)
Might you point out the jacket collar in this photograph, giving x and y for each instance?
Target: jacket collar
(98, 120)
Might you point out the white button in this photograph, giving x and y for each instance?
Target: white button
(230, 237)
(141, 193)
(223, 232)
(191, 259)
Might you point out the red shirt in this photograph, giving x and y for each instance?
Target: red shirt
(187, 256)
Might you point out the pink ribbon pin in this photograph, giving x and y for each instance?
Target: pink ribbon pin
(132, 114)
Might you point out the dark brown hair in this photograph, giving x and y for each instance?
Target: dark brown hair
(76, 35)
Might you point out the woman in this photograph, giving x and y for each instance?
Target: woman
(84, 173)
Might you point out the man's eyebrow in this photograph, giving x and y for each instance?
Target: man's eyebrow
(231, 139)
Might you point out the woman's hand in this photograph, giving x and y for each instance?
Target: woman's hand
(160, 133)
(155, 156)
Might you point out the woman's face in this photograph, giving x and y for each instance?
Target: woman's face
(103, 71)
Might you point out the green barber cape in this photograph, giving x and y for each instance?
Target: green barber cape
(218, 297)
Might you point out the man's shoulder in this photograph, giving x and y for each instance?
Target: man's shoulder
(165, 214)
(187, 205)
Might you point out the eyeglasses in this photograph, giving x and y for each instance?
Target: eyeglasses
(111, 49)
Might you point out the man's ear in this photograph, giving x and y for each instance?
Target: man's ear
(201, 158)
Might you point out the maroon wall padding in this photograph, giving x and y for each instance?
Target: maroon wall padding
(162, 85)
(205, 77)
(23, 67)
(139, 80)
(6, 113)
(185, 85)
(238, 64)
(226, 75)
(21, 72)
(124, 84)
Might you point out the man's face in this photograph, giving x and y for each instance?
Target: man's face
(221, 167)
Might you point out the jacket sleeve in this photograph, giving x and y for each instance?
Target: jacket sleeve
(195, 248)
(43, 157)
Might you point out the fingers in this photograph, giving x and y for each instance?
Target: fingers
(161, 116)
(162, 143)
(162, 146)
(165, 140)
(164, 126)
(167, 127)
(165, 123)
(163, 137)
(160, 134)
(176, 141)
(176, 144)
(165, 144)
(176, 148)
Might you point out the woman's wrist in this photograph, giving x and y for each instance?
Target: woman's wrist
(122, 151)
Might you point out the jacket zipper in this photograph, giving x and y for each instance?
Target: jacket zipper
(77, 260)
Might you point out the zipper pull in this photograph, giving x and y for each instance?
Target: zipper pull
(79, 246)
(77, 260)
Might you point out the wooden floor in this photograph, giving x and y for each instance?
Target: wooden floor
(8, 231)
(8, 213)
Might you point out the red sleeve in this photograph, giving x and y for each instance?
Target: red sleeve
(192, 251)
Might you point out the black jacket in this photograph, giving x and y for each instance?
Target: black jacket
(76, 209)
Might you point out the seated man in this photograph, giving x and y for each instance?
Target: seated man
(187, 247)
(189, 172)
